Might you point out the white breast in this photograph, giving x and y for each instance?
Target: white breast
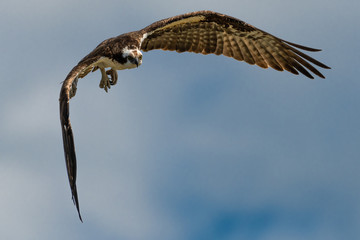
(105, 62)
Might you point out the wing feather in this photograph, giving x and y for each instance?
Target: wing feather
(301, 69)
(219, 42)
(195, 40)
(306, 64)
(256, 54)
(246, 52)
(68, 90)
(286, 64)
(237, 50)
(208, 32)
(269, 57)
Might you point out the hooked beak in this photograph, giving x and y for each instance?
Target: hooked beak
(135, 61)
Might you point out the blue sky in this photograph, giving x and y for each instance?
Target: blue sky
(186, 146)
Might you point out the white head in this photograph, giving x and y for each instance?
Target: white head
(133, 57)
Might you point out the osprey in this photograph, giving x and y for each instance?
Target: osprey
(202, 32)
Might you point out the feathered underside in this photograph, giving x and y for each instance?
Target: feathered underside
(208, 32)
(203, 32)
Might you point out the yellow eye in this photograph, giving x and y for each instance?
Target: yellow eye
(140, 57)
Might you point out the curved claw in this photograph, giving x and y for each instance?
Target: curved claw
(105, 81)
(113, 76)
(108, 78)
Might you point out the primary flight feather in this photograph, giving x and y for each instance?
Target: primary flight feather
(202, 32)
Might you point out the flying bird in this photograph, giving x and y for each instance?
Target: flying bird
(202, 32)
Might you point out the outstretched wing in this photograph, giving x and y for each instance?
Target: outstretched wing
(68, 90)
(210, 32)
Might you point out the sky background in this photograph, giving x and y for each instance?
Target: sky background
(186, 147)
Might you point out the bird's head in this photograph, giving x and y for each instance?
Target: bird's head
(133, 57)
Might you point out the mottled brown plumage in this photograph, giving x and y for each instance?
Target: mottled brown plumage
(202, 32)
(208, 32)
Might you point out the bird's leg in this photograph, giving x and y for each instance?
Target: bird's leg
(113, 76)
(105, 81)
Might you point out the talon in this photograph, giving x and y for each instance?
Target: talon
(105, 81)
(112, 73)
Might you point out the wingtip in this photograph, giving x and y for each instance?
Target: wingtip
(80, 218)
(78, 210)
(310, 49)
(76, 203)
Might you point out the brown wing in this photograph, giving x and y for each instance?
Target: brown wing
(210, 32)
(68, 90)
